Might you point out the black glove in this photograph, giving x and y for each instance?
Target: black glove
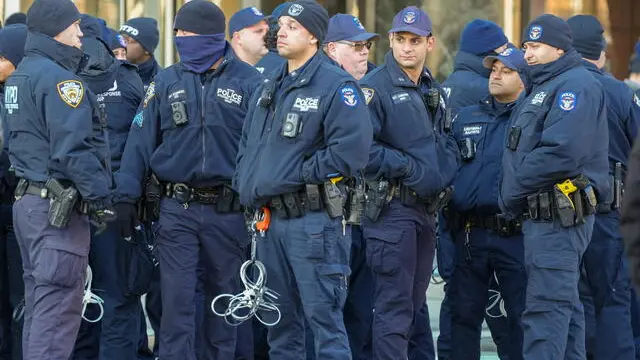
(101, 213)
(127, 219)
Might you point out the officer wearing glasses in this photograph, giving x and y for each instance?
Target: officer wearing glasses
(348, 44)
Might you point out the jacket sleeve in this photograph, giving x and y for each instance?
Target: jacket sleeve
(384, 161)
(633, 121)
(347, 135)
(561, 149)
(141, 142)
(73, 136)
(630, 214)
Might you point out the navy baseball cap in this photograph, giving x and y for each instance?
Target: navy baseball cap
(245, 18)
(512, 57)
(413, 20)
(347, 27)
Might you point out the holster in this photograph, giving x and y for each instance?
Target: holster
(356, 199)
(149, 211)
(378, 195)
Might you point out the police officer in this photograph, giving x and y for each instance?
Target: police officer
(410, 146)
(119, 90)
(467, 85)
(272, 62)
(12, 40)
(307, 130)
(142, 37)
(605, 271)
(57, 139)
(186, 133)
(554, 181)
(348, 43)
(486, 242)
(247, 29)
(117, 44)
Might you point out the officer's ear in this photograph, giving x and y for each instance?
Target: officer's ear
(431, 43)
(313, 40)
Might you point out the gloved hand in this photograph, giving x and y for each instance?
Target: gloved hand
(127, 219)
(101, 213)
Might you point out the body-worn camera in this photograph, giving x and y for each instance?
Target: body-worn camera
(467, 149)
(291, 126)
(514, 138)
(179, 113)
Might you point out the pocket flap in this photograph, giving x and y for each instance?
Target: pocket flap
(334, 269)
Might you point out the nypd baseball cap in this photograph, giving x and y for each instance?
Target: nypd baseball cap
(412, 20)
(245, 18)
(511, 57)
(347, 27)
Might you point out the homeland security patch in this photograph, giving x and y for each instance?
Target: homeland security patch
(368, 94)
(71, 92)
(535, 33)
(349, 96)
(567, 101)
(151, 92)
(138, 119)
(409, 17)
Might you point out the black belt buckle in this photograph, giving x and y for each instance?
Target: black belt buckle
(182, 193)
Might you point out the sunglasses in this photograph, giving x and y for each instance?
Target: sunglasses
(359, 46)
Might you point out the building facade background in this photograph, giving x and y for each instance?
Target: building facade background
(621, 19)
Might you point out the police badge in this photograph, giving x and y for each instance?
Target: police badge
(71, 92)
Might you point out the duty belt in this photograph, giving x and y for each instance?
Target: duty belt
(38, 189)
(496, 223)
(225, 199)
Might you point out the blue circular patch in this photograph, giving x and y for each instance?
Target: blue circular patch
(567, 101)
(409, 17)
(122, 41)
(507, 52)
(349, 96)
(535, 32)
(358, 23)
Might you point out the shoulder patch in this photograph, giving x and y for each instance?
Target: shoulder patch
(151, 92)
(349, 96)
(567, 101)
(138, 119)
(636, 99)
(368, 94)
(71, 92)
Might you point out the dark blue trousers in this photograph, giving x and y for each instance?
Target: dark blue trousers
(55, 263)
(184, 237)
(608, 287)
(400, 251)
(553, 319)
(307, 263)
(486, 254)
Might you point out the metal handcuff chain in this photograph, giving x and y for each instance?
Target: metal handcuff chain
(91, 298)
(256, 299)
(496, 301)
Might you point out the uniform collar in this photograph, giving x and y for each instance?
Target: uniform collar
(542, 73)
(591, 67)
(304, 74)
(491, 106)
(148, 69)
(400, 78)
(468, 62)
(69, 57)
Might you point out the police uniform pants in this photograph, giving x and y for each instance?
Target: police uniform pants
(607, 284)
(182, 235)
(11, 287)
(553, 320)
(400, 251)
(307, 263)
(116, 335)
(487, 254)
(55, 264)
(421, 345)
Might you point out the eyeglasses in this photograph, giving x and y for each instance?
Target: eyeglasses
(357, 46)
